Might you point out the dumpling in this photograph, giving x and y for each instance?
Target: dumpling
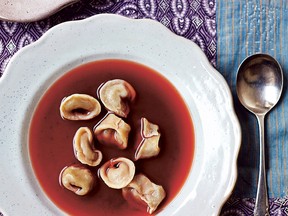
(113, 131)
(117, 173)
(79, 107)
(149, 146)
(116, 95)
(84, 149)
(77, 179)
(141, 192)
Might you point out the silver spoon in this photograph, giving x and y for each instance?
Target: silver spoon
(259, 85)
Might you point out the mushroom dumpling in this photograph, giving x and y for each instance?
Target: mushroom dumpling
(117, 173)
(142, 192)
(149, 146)
(77, 179)
(79, 107)
(113, 131)
(84, 149)
(116, 95)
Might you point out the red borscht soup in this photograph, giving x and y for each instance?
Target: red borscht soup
(51, 137)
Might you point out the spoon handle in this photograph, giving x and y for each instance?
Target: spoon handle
(261, 204)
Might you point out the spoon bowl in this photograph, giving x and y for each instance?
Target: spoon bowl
(259, 86)
(259, 83)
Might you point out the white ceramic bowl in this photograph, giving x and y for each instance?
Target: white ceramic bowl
(32, 70)
(30, 10)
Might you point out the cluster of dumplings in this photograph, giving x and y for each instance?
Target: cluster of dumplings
(117, 173)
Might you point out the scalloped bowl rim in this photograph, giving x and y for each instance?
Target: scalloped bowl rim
(35, 67)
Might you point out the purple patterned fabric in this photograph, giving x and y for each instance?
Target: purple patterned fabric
(245, 207)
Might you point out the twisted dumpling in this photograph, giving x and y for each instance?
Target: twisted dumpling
(112, 131)
(141, 191)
